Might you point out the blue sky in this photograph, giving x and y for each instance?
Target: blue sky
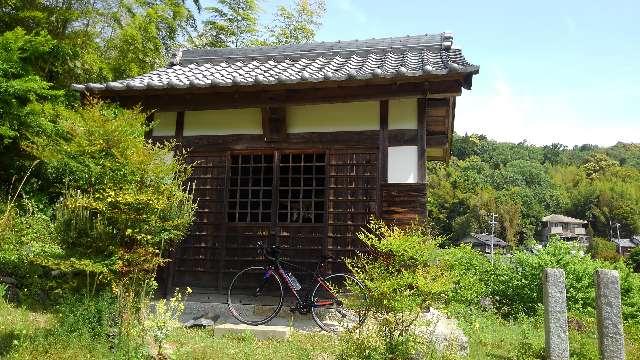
(550, 71)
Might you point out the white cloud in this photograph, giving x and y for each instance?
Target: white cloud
(507, 116)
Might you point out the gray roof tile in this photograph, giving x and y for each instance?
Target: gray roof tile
(321, 61)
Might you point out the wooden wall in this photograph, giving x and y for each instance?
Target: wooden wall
(356, 189)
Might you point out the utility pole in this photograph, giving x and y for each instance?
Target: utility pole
(619, 244)
(493, 231)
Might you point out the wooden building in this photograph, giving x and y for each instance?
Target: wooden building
(483, 242)
(300, 145)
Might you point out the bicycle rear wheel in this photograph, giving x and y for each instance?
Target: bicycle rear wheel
(338, 303)
(255, 295)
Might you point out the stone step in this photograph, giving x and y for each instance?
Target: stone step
(220, 312)
(260, 331)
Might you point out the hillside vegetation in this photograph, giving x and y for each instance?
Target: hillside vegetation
(523, 183)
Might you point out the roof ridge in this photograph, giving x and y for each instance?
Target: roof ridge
(442, 40)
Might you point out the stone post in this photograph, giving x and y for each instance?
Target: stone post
(556, 334)
(609, 315)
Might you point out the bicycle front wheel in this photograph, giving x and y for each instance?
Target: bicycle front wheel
(338, 302)
(255, 295)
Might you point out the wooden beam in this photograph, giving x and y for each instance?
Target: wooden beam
(433, 80)
(179, 148)
(179, 125)
(422, 139)
(274, 123)
(383, 152)
(319, 140)
(242, 99)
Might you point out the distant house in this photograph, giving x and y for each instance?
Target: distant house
(626, 245)
(567, 228)
(482, 242)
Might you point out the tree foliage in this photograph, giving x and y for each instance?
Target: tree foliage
(122, 201)
(523, 183)
(297, 24)
(231, 23)
(238, 23)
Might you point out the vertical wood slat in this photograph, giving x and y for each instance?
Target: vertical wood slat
(422, 139)
(223, 238)
(179, 125)
(383, 152)
(172, 265)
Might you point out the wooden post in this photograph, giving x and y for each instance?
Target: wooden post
(556, 333)
(609, 315)
(383, 153)
(422, 140)
(174, 253)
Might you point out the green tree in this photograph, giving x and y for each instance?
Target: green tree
(122, 198)
(597, 164)
(298, 24)
(22, 58)
(552, 154)
(232, 23)
(101, 40)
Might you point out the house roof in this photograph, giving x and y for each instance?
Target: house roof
(485, 239)
(394, 57)
(627, 243)
(562, 219)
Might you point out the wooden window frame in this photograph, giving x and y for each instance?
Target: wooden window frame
(305, 182)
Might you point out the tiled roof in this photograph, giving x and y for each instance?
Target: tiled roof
(626, 243)
(562, 219)
(485, 239)
(398, 57)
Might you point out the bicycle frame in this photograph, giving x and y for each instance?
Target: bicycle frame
(276, 269)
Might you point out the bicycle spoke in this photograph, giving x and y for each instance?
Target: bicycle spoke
(251, 304)
(335, 306)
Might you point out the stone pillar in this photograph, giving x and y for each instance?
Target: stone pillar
(609, 315)
(556, 334)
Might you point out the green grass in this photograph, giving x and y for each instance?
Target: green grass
(28, 334)
(200, 344)
(491, 337)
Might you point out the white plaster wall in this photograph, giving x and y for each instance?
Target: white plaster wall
(353, 116)
(403, 113)
(223, 122)
(165, 124)
(402, 164)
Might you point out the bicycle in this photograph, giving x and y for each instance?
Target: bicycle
(256, 294)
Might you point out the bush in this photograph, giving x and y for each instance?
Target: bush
(603, 249)
(404, 276)
(469, 271)
(123, 205)
(514, 282)
(633, 260)
(92, 317)
(26, 237)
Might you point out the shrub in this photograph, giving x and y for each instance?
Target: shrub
(122, 204)
(633, 260)
(515, 282)
(93, 317)
(164, 318)
(404, 276)
(26, 237)
(603, 249)
(469, 270)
